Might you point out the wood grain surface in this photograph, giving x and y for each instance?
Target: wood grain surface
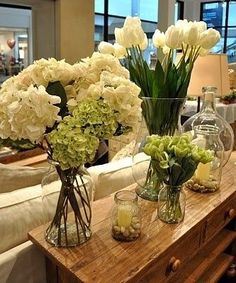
(103, 259)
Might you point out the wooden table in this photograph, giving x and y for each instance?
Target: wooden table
(188, 252)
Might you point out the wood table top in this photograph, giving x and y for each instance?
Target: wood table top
(103, 259)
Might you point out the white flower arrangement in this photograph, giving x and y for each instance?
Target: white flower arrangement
(43, 103)
(169, 79)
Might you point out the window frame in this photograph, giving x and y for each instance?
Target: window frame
(106, 16)
(226, 27)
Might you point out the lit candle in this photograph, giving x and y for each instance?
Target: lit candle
(124, 215)
(203, 171)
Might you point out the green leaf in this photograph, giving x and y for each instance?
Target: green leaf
(56, 88)
(22, 144)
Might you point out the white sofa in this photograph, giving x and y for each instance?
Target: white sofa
(21, 211)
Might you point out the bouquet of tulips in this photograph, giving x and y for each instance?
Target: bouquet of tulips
(169, 79)
(175, 160)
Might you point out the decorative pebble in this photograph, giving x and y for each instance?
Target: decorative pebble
(129, 233)
(202, 186)
(122, 229)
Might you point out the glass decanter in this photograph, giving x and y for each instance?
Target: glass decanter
(209, 116)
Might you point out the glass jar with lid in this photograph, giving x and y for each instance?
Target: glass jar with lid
(209, 116)
(207, 176)
(126, 219)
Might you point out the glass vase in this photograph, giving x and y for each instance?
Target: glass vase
(160, 116)
(207, 177)
(171, 204)
(209, 116)
(67, 196)
(126, 220)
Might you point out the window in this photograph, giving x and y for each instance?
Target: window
(110, 14)
(221, 16)
(179, 10)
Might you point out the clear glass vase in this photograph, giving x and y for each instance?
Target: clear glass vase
(209, 116)
(171, 204)
(161, 116)
(67, 196)
(207, 177)
(126, 218)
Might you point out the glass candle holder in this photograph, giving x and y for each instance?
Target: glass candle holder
(126, 220)
(207, 176)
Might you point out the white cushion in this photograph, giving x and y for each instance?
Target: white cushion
(15, 177)
(22, 264)
(20, 211)
(124, 151)
(111, 177)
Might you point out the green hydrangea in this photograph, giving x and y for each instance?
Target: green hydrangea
(76, 138)
(175, 159)
(72, 147)
(96, 118)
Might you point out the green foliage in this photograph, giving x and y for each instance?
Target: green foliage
(167, 80)
(56, 88)
(17, 144)
(230, 98)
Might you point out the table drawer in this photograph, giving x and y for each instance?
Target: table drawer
(224, 214)
(173, 259)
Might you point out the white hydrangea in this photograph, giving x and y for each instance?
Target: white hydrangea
(122, 95)
(94, 91)
(106, 48)
(98, 63)
(44, 71)
(26, 114)
(27, 110)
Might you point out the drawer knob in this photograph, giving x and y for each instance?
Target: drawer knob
(174, 264)
(231, 213)
(231, 272)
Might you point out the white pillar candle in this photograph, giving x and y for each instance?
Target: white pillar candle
(203, 171)
(124, 215)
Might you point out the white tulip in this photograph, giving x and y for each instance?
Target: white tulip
(165, 50)
(119, 51)
(144, 44)
(119, 35)
(174, 37)
(181, 23)
(209, 38)
(132, 21)
(202, 26)
(203, 52)
(192, 34)
(106, 48)
(131, 34)
(159, 39)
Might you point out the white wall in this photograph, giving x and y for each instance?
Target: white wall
(61, 28)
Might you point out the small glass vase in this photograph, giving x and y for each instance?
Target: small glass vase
(207, 177)
(161, 116)
(67, 196)
(126, 220)
(209, 116)
(171, 204)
